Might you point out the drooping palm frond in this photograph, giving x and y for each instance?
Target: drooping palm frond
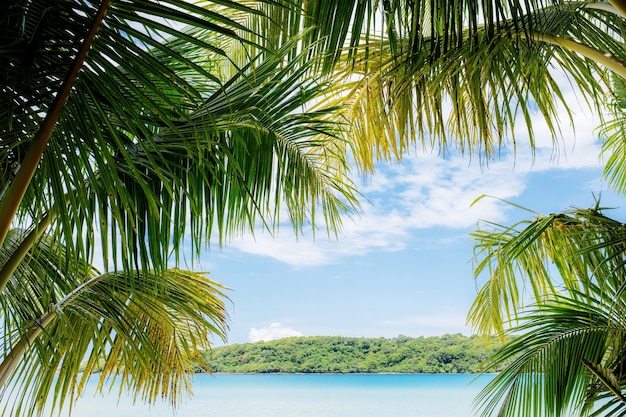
(570, 350)
(567, 250)
(151, 136)
(448, 74)
(548, 364)
(469, 88)
(142, 332)
(241, 156)
(614, 133)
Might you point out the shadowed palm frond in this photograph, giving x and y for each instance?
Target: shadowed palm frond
(152, 136)
(548, 362)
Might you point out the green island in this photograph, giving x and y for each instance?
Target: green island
(450, 353)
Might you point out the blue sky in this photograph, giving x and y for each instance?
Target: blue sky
(404, 265)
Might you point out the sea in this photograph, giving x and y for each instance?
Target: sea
(304, 395)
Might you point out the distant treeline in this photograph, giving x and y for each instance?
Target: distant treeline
(451, 353)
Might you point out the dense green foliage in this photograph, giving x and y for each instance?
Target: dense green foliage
(333, 354)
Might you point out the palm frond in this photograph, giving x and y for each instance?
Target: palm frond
(142, 332)
(547, 364)
(468, 89)
(569, 351)
(442, 75)
(152, 134)
(613, 131)
(232, 162)
(580, 245)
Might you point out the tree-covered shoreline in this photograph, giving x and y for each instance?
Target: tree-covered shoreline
(450, 353)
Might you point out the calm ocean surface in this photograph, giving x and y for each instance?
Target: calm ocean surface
(308, 395)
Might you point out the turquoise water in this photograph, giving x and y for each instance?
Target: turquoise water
(306, 395)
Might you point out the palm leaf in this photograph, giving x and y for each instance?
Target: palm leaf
(142, 332)
(151, 125)
(570, 352)
(547, 373)
(581, 245)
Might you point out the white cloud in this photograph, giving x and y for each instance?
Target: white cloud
(273, 332)
(286, 248)
(427, 191)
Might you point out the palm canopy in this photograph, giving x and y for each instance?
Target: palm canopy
(462, 74)
(153, 135)
(569, 347)
(402, 72)
(119, 120)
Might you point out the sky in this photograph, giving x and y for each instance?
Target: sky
(404, 264)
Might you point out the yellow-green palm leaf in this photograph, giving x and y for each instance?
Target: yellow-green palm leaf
(570, 347)
(142, 332)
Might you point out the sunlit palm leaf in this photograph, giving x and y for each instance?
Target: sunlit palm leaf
(467, 89)
(580, 245)
(441, 74)
(141, 331)
(235, 160)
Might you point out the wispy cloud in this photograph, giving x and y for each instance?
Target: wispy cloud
(273, 332)
(427, 191)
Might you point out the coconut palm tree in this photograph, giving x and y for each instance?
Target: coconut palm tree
(124, 131)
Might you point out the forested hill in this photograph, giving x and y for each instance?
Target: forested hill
(323, 354)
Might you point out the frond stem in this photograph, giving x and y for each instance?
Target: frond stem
(620, 6)
(607, 7)
(22, 250)
(15, 355)
(616, 65)
(15, 193)
(606, 381)
(11, 360)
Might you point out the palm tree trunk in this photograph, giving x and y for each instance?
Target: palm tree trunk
(14, 194)
(620, 5)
